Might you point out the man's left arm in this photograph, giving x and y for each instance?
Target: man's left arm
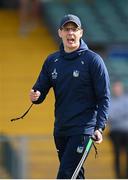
(101, 84)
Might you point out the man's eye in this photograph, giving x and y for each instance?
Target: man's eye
(70, 29)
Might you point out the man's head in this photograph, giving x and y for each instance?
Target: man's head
(117, 88)
(70, 31)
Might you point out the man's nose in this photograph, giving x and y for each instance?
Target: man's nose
(70, 31)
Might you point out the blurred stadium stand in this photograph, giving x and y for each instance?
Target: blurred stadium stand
(10, 161)
(117, 64)
(9, 4)
(105, 22)
(106, 30)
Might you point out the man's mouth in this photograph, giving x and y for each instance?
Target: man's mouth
(70, 40)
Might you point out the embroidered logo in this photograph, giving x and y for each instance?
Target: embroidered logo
(82, 62)
(56, 60)
(54, 74)
(75, 73)
(80, 149)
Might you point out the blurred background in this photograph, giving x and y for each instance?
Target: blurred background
(28, 33)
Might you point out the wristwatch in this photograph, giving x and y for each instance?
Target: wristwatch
(100, 129)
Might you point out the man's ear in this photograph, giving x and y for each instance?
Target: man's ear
(81, 33)
(59, 33)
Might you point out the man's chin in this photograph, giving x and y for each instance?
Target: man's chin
(72, 46)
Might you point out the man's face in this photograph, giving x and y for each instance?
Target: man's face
(70, 35)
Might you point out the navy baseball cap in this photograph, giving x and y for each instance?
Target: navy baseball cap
(70, 18)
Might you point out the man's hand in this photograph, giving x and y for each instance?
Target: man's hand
(97, 136)
(34, 95)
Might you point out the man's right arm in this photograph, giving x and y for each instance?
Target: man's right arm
(41, 87)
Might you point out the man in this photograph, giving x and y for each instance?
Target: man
(81, 86)
(118, 123)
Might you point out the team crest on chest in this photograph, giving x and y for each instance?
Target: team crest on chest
(76, 73)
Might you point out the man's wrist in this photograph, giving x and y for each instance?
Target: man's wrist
(100, 130)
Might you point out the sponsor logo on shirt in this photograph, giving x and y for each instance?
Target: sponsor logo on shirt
(54, 74)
